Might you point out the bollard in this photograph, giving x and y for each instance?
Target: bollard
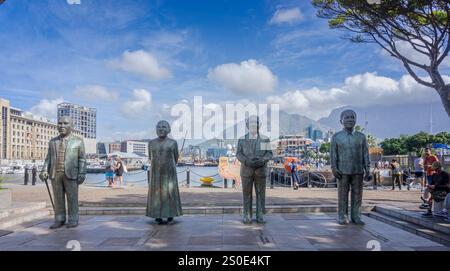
(26, 177)
(33, 176)
(188, 177)
(272, 177)
(148, 176)
(225, 183)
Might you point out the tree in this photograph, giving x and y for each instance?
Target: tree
(442, 137)
(371, 140)
(325, 147)
(417, 142)
(394, 146)
(423, 25)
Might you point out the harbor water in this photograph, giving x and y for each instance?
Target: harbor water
(138, 178)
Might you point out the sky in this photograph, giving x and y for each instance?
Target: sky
(133, 60)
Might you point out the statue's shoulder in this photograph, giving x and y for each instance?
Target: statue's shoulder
(172, 141)
(264, 137)
(360, 134)
(77, 139)
(243, 137)
(337, 135)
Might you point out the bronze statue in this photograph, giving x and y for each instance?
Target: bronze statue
(349, 155)
(254, 152)
(163, 195)
(65, 165)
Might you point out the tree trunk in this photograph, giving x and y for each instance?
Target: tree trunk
(444, 93)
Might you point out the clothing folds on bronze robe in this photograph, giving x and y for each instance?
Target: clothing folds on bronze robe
(163, 195)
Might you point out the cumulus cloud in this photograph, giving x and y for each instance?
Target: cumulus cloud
(362, 90)
(286, 16)
(407, 50)
(139, 103)
(96, 92)
(74, 2)
(142, 63)
(247, 77)
(47, 108)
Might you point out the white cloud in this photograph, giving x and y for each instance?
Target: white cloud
(286, 16)
(74, 2)
(247, 77)
(47, 108)
(96, 92)
(359, 90)
(142, 63)
(139, 103)
(406, 49)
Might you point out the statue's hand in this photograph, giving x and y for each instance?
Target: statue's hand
(337, 173)
(43, 176)
(81, 178)
(259, 163)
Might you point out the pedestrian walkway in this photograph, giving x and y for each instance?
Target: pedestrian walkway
(306, 231)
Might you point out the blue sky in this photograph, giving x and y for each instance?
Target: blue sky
(133, 59)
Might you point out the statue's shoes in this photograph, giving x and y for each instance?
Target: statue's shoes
(343, 221)
(358, 222)
(260, 220)
(170, 221)
(247, 220)
(72, 225)
(57, 225)
(159, 221)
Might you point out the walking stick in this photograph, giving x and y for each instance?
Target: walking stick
(50, 194)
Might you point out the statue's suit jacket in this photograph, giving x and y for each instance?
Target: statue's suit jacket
(74, 160)
(249, 148)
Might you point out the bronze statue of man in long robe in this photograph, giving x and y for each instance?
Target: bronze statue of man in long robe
(163, 195)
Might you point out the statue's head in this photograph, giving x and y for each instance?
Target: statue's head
(65, 126)
(162, 129)
(252, 123)
(348, 119)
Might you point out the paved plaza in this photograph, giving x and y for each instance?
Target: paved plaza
(298, 232)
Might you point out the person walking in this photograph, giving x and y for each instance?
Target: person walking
(119, 170)
(396, 173)
(109, 172)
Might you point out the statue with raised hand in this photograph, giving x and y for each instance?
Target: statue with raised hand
(65, 166)
(163, 196)
(350, 164)
(253, 151)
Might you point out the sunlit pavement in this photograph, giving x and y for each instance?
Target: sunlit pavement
(311, 232)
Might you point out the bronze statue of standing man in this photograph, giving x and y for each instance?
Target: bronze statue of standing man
(350, 163)
(65, 165)
(253, 151)
(163, 195)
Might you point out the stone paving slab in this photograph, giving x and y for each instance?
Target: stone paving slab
(137, 196)
(298, 232)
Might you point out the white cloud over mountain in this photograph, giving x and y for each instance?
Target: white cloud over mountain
(362, 90)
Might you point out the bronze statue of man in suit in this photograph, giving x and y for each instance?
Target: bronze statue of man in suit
(253, 151)
(350, 163)
(65, 165)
